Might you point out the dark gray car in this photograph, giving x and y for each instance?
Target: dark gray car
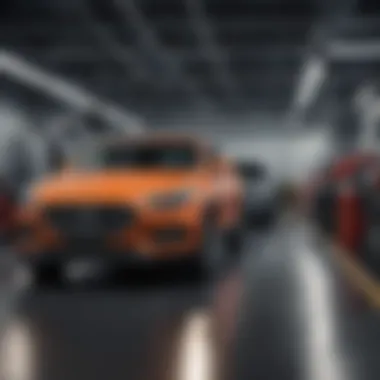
(260, 192)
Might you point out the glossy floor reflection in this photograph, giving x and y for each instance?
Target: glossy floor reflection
(300, 319)
(285, 312)
(97, 336)
(156, 331)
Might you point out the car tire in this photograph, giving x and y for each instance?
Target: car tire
(235, 240)
(213, 249)
(46, 276)
(264, 220)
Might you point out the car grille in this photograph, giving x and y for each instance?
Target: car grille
(88, 222)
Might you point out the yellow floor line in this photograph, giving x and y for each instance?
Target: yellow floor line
(358, 276)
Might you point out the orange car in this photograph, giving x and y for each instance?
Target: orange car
(149, 199)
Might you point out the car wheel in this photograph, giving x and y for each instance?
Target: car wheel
(213, 249)
(264, 220)
(235, 240)
(47, 276)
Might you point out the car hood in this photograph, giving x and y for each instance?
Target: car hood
(128, 186)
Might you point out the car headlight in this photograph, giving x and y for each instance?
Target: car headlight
(170, 200)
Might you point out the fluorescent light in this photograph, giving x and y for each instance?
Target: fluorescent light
(68, 93)
(312, 78)
(354, 50)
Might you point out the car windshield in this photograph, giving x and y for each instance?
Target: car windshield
(251, 171)
(145, 156)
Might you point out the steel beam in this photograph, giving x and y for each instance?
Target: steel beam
(209, 46)
(168, 65)
(118, 52)
(69, 94)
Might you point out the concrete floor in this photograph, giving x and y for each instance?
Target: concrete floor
(284, 312)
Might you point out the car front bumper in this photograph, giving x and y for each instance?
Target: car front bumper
(154, 237)
(101, 258)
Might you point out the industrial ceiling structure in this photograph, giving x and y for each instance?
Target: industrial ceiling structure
(352, 67)
(228, 57)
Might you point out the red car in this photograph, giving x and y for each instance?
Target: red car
(346, 204)
(333, 181)
(7, 211)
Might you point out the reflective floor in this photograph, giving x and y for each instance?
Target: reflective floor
(284, 311)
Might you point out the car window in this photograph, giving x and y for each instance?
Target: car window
(146, 156)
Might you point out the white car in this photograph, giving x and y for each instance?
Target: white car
(260, 192)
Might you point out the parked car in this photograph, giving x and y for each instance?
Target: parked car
(357, 221)
(342, 173)
(261, 194)
(142, 200)
(8, 208)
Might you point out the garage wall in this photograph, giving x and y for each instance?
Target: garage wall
(289, 156)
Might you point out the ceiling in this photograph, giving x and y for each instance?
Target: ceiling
(159, 57)
(353, 62)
